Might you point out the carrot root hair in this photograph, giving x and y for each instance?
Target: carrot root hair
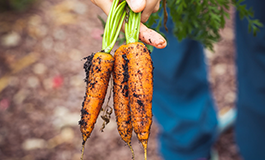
(130, 146)
(83, 150)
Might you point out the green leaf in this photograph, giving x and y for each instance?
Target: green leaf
(202, 19)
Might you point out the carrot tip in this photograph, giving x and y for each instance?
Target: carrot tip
(144, 143)
(83, 150)
(145, 153)
(129, 144)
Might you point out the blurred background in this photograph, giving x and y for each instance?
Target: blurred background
(42, 43)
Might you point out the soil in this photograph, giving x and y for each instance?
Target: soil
(42, 85)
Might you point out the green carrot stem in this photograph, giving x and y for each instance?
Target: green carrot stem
(132, 27)
(116, 35)
(113, 25)
(109, 19)
(118, 11)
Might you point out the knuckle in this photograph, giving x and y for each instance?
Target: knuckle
(156, 7)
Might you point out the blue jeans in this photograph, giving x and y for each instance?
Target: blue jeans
(250, 124)
(183, 104)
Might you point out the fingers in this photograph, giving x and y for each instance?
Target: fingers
(146, 35)
(157, 6)
(137, 5)
(104, 5)
(151, 7)
(151, 37)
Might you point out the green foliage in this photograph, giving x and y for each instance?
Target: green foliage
(113, 25)
(202, 19)
(253, 24)
(132, 26)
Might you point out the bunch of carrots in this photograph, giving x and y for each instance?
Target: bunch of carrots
(132, 71)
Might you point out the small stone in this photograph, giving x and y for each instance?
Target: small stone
(62, 13)
(34, 20)
(228, 34)
(75, 55)
(59, 47)
(80, 8)
(59, 34)
(33, 81)
(60, 111)
(72, 119)
(77, 81)
(67, 134)
(34, 143)
(20, 96)
(65, 118)
(209, 54)
(47, 43)
(39, 68)
(220, 69)
(13, 81)
(230, 97)
(48, 83)
(11, 39)
(42, 31)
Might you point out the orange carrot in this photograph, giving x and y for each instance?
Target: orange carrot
(97, 83)
(140, 81)
(140, 84)
(99, 71)
(121, 100)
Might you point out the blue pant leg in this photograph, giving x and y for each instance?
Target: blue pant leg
(182, 102)
(250, 124)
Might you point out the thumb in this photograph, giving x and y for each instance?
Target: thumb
(136, 5)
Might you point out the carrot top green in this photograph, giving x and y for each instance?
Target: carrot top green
(113, 25)
(132, 26)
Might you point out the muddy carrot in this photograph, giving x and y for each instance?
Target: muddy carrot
(98, 69)
(120, 95)
(97, 84)
(140, 84)
(140, 81)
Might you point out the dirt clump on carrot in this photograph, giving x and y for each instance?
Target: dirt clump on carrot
(87, 65)
(97, 83)
(120, 96)
(140, 85)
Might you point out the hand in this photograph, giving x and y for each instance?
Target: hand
(148, 7)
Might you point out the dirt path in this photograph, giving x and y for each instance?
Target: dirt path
(42, 87)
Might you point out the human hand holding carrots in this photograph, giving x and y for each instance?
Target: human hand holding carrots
(132, 71)
(147, 7)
